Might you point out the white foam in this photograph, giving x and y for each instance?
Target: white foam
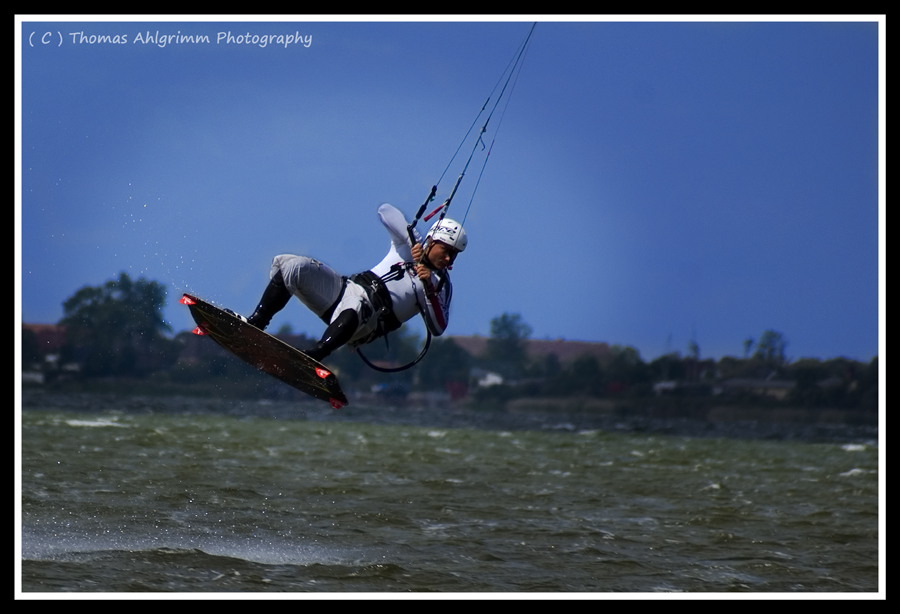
(96, 423)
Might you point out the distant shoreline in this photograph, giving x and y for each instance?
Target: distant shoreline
(736, 426)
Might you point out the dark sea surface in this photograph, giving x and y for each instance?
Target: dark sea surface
(155, 495)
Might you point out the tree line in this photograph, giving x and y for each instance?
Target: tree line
(808, 382)
(116, 330)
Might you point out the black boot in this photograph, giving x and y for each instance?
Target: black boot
(273, 300)
(337, 334)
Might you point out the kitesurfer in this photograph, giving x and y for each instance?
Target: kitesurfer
(360, 308)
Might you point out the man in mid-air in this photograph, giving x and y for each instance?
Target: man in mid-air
(358, 309)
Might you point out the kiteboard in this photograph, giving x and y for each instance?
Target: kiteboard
(265, 352)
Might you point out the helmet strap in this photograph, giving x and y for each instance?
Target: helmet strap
(426, 250)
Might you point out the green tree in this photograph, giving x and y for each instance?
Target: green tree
(285, 329)
(807, 373)
(118, 328)
(667, 367)
(507, 349)
(583, 376)
(445, 363)
(625, 369)
(770, 347)
(693, 350)
(31, 352)
(748, 345)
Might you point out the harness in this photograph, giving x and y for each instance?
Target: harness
(387, 322)
(381, 302)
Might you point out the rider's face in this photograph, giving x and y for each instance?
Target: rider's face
(442, 255)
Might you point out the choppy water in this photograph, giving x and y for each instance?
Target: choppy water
(117, 501)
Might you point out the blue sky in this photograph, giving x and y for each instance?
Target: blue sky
(651, 182)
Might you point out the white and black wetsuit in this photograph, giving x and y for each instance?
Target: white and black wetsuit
(408, 294)
(327, 293)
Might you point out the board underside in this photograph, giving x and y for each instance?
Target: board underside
(265, 352)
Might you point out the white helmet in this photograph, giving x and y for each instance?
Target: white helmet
(450, 232)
